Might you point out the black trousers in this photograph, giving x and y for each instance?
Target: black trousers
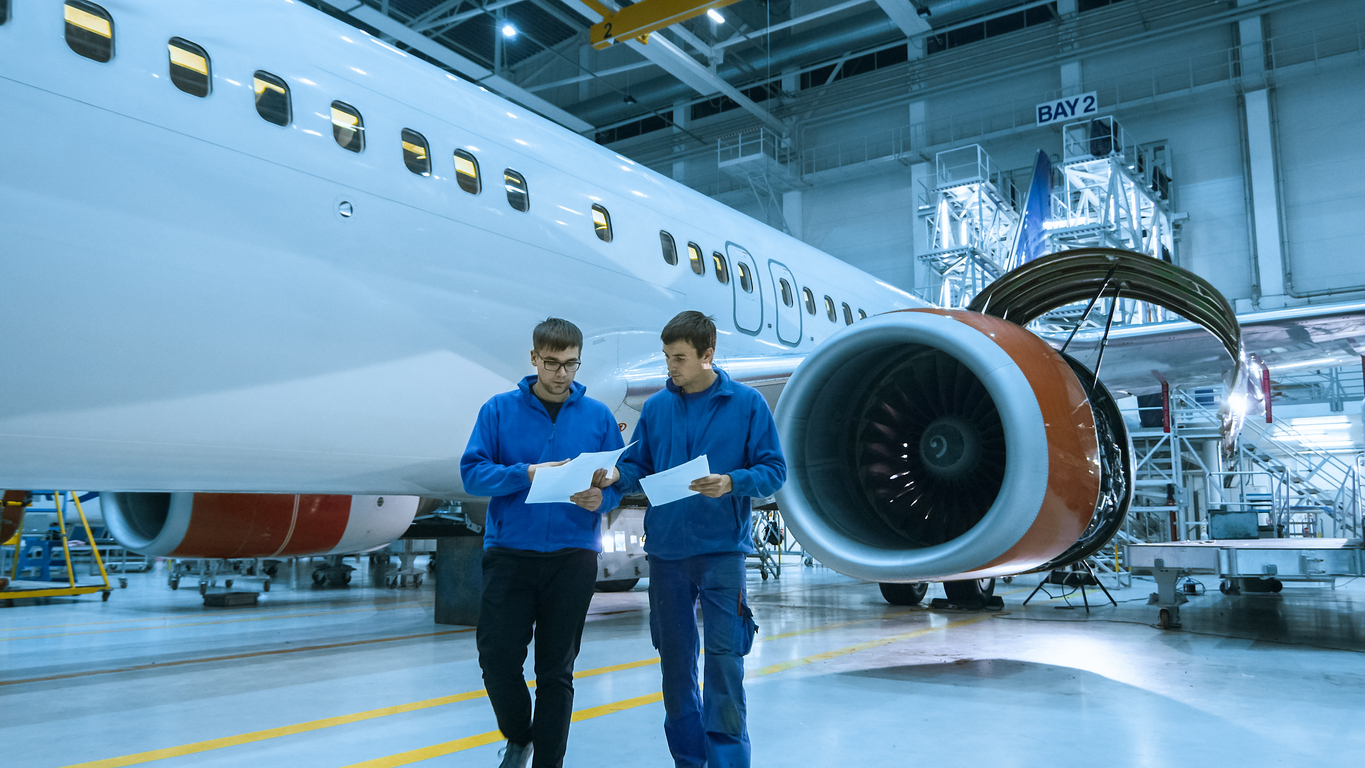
(545, 597)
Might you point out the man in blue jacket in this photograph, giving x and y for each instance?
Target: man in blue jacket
(697, 545)
(540, 560)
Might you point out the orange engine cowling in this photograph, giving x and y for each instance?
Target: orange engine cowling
(933, 444)
(240, 525)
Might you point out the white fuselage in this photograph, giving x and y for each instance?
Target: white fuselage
(185, 308)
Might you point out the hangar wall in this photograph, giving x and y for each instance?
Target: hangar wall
(1316, 84)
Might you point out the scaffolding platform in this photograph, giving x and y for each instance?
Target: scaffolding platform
(24, 588)
(39, 554)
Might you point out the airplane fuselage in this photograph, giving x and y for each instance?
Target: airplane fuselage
(199, 299)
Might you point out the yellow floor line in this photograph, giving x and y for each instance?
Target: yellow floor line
(471, 741)
(490, 737)
(327, 722)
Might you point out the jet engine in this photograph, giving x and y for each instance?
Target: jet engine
(930, 444)
(242, 525)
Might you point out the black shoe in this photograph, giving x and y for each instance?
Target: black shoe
(516, 755)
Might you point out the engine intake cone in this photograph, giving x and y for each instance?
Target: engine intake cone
(950, 447)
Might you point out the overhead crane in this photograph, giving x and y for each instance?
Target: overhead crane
(638, 20)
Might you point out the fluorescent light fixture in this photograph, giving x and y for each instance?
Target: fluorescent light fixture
(1320, 421)
(1323, 362)
(715, 15)
(508, 30)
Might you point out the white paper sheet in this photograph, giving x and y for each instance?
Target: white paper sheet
(671, 484)
(554, 485)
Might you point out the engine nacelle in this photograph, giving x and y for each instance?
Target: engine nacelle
(932, 444)
(241, 525)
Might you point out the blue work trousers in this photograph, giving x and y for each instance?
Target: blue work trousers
(704, 730)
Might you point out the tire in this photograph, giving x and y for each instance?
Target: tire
(971, 593)
(227, 583)
(904, 594)
(345, 578)
(266, 586)
(203, 588)
(617, 585)
(417, 581)
(1276, 585)
(1163, 619)
(175, 584)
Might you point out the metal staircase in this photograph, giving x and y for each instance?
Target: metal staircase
(1296, 490)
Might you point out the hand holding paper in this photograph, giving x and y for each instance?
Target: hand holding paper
(558, 484)
(673, 484)
(713, 486)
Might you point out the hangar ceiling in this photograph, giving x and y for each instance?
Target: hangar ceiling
(785, 65)
(549, 66)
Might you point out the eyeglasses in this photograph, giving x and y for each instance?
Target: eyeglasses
(555, 365)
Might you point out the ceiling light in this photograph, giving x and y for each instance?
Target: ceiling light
(508, 30)
(715, 15)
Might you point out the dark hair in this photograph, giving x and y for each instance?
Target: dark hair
(556, 335)
(693, 327)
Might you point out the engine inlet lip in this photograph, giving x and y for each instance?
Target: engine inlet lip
(1026, 475)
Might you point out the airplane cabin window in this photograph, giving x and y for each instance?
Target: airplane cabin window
(721, 267)
(829, 309)
(517, 194)
(694, 255)
(190, 67)
(746, 281)
(862, 315)
(786, 291)
(670, 247)
(848, 315)
(272, 98)
(416, 153)
(810, 300)
(467, 172)
(348, 128)
(89, 30)
(601, 223)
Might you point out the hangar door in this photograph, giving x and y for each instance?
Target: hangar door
(788, 307)
(748, 291)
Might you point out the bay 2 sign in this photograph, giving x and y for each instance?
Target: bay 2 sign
(1084, 105)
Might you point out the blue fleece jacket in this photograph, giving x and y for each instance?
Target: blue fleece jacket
(514, 431)
(732, 425)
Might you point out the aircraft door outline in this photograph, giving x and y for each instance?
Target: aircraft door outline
(788, 317)
(748, 304)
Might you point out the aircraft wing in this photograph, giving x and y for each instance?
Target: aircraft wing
(1138, 358)
(766, 374)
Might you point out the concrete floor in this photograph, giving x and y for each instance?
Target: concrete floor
(362, 676)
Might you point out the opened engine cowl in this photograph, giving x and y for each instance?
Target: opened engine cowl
(934, 444)
(241, 525)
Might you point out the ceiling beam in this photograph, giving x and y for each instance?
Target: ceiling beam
(471, 69)
(905, 16)
(678, 63)
(437, 26)
(812, 16)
